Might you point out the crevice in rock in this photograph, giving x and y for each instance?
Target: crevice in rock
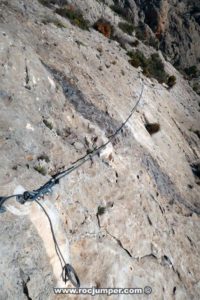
(174, 290)
(27, 77)
(165, 185)
(149, 220)
(178, 274)
(98, 221)
(186, 139)
(196, 169)
(119, 243)
(151, 255)
(189, 239)
(25, 288)
(163, 213)
(161, 209)
(165, 262)
(87, 109)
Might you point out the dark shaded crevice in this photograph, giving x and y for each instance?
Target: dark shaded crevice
(163, 214)
(161, 209)
(151, 255)
(196, 169)
(178, 274)
(25, 288)
(120, 244)
(87, 109)
(149, 220)
(186, 139)
(165, 262)
(27, 77)
(174, 290)
(189, 239)
(98, 221)
(164, 184)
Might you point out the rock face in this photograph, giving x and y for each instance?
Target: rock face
(175, 23)
(126, 218)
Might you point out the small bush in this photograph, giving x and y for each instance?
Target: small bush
(137, 59)
(140, 32)
(45, 2)
(74, 15)
(126, 27)
(101, 210)
(44, 157)
(155, 68)
(104, 26)
(59, 24)
(40, 169)
(56, 22)
(48, 3)
(120, 39)
(153, 42)
(192, 71)
(118, 10)
(171, 81)
(152, 128)
(196, 88)
(134, 44)
(152, 67)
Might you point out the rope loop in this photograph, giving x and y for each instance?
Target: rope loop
(68, 273)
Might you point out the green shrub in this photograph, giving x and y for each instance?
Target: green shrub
(56, 22)
(45, 2)
(117, 9)
(126, 27)
(140, 32)
(137, 59)
(153, 42)
(119, 39)
(74, 15)
(59, 24)
(40, 169)
(155, 68)
(171, 81)
(196, 88)
(152, 67)
(134, 43)
(48, 3)
(192, 71)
